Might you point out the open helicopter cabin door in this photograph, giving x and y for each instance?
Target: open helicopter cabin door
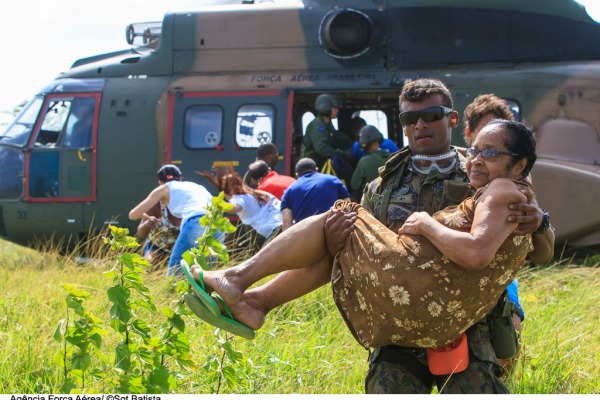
(225, 129)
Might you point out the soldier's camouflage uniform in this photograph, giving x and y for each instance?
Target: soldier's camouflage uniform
(395, 369)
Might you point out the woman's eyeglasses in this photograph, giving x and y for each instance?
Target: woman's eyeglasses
(488, 154)
(430, 114)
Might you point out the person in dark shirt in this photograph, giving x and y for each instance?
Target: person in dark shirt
(312, 193)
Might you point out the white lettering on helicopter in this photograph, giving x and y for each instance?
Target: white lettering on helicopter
(305, 78)
(266, 78)
(350, 77)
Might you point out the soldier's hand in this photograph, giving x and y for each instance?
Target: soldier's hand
(528, 215)
(413, 223)
(338, 226)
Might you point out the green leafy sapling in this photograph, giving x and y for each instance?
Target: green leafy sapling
(208, 247)
(81, 336)
(140, 358)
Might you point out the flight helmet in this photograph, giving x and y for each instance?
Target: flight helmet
(325, 102)
(369, 134)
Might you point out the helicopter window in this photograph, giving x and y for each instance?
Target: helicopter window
(78, 129)
(377, 118)
(11, 178)
(254, 125)
(19, 131)
(53, 123)
(68, 123)
(515, 108)
(203, 127)
(307, 118)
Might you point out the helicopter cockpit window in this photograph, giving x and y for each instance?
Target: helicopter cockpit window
(68, 123)
(19, 131)
(203, 127)
(78, 131)
(11, 178)
(54, 120)
(377, 118)
(254, 125)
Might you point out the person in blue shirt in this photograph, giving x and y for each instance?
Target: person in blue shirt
(357, 123)
(313, 193)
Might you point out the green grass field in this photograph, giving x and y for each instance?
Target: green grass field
(303, 348)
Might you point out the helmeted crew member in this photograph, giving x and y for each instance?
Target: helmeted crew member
(321, 139)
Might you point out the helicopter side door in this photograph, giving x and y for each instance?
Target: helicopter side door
(225, 129)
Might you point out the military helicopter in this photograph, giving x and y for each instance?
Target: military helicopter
(206, 87)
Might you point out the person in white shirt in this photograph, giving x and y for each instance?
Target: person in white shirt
(259, 209)
(185, 200)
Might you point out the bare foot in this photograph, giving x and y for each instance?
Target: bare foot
(248, 312)
(216, 280)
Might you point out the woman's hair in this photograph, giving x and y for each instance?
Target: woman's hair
(168, 172)
(483, 105)
(518, 139)
(228, 181)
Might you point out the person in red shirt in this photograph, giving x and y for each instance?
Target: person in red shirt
(268, 180)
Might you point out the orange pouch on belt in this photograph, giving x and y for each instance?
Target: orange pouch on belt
(449, 359)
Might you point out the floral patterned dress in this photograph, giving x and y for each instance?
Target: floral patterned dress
(402, 290)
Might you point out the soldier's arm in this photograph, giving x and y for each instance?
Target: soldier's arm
(342, 141)
(530, 217)
(321, 144)
(543, 247)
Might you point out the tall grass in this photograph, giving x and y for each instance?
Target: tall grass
(304, 347)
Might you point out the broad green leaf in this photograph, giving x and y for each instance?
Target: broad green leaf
(141, 327)
(230, 376)
(81, 362)
(120, 313)
(146, 304)
(188, 257)
(67, 386)
(119, 295)
(122, 356)
(136, 385)
(74, 304)
(160, 378)
(96, 340)
(178, 322)
(58, 332)
(146, 355)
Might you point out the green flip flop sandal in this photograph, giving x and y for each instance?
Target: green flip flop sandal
(203, 296)
(227, 323)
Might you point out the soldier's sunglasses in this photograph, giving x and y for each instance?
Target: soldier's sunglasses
(430, 114)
